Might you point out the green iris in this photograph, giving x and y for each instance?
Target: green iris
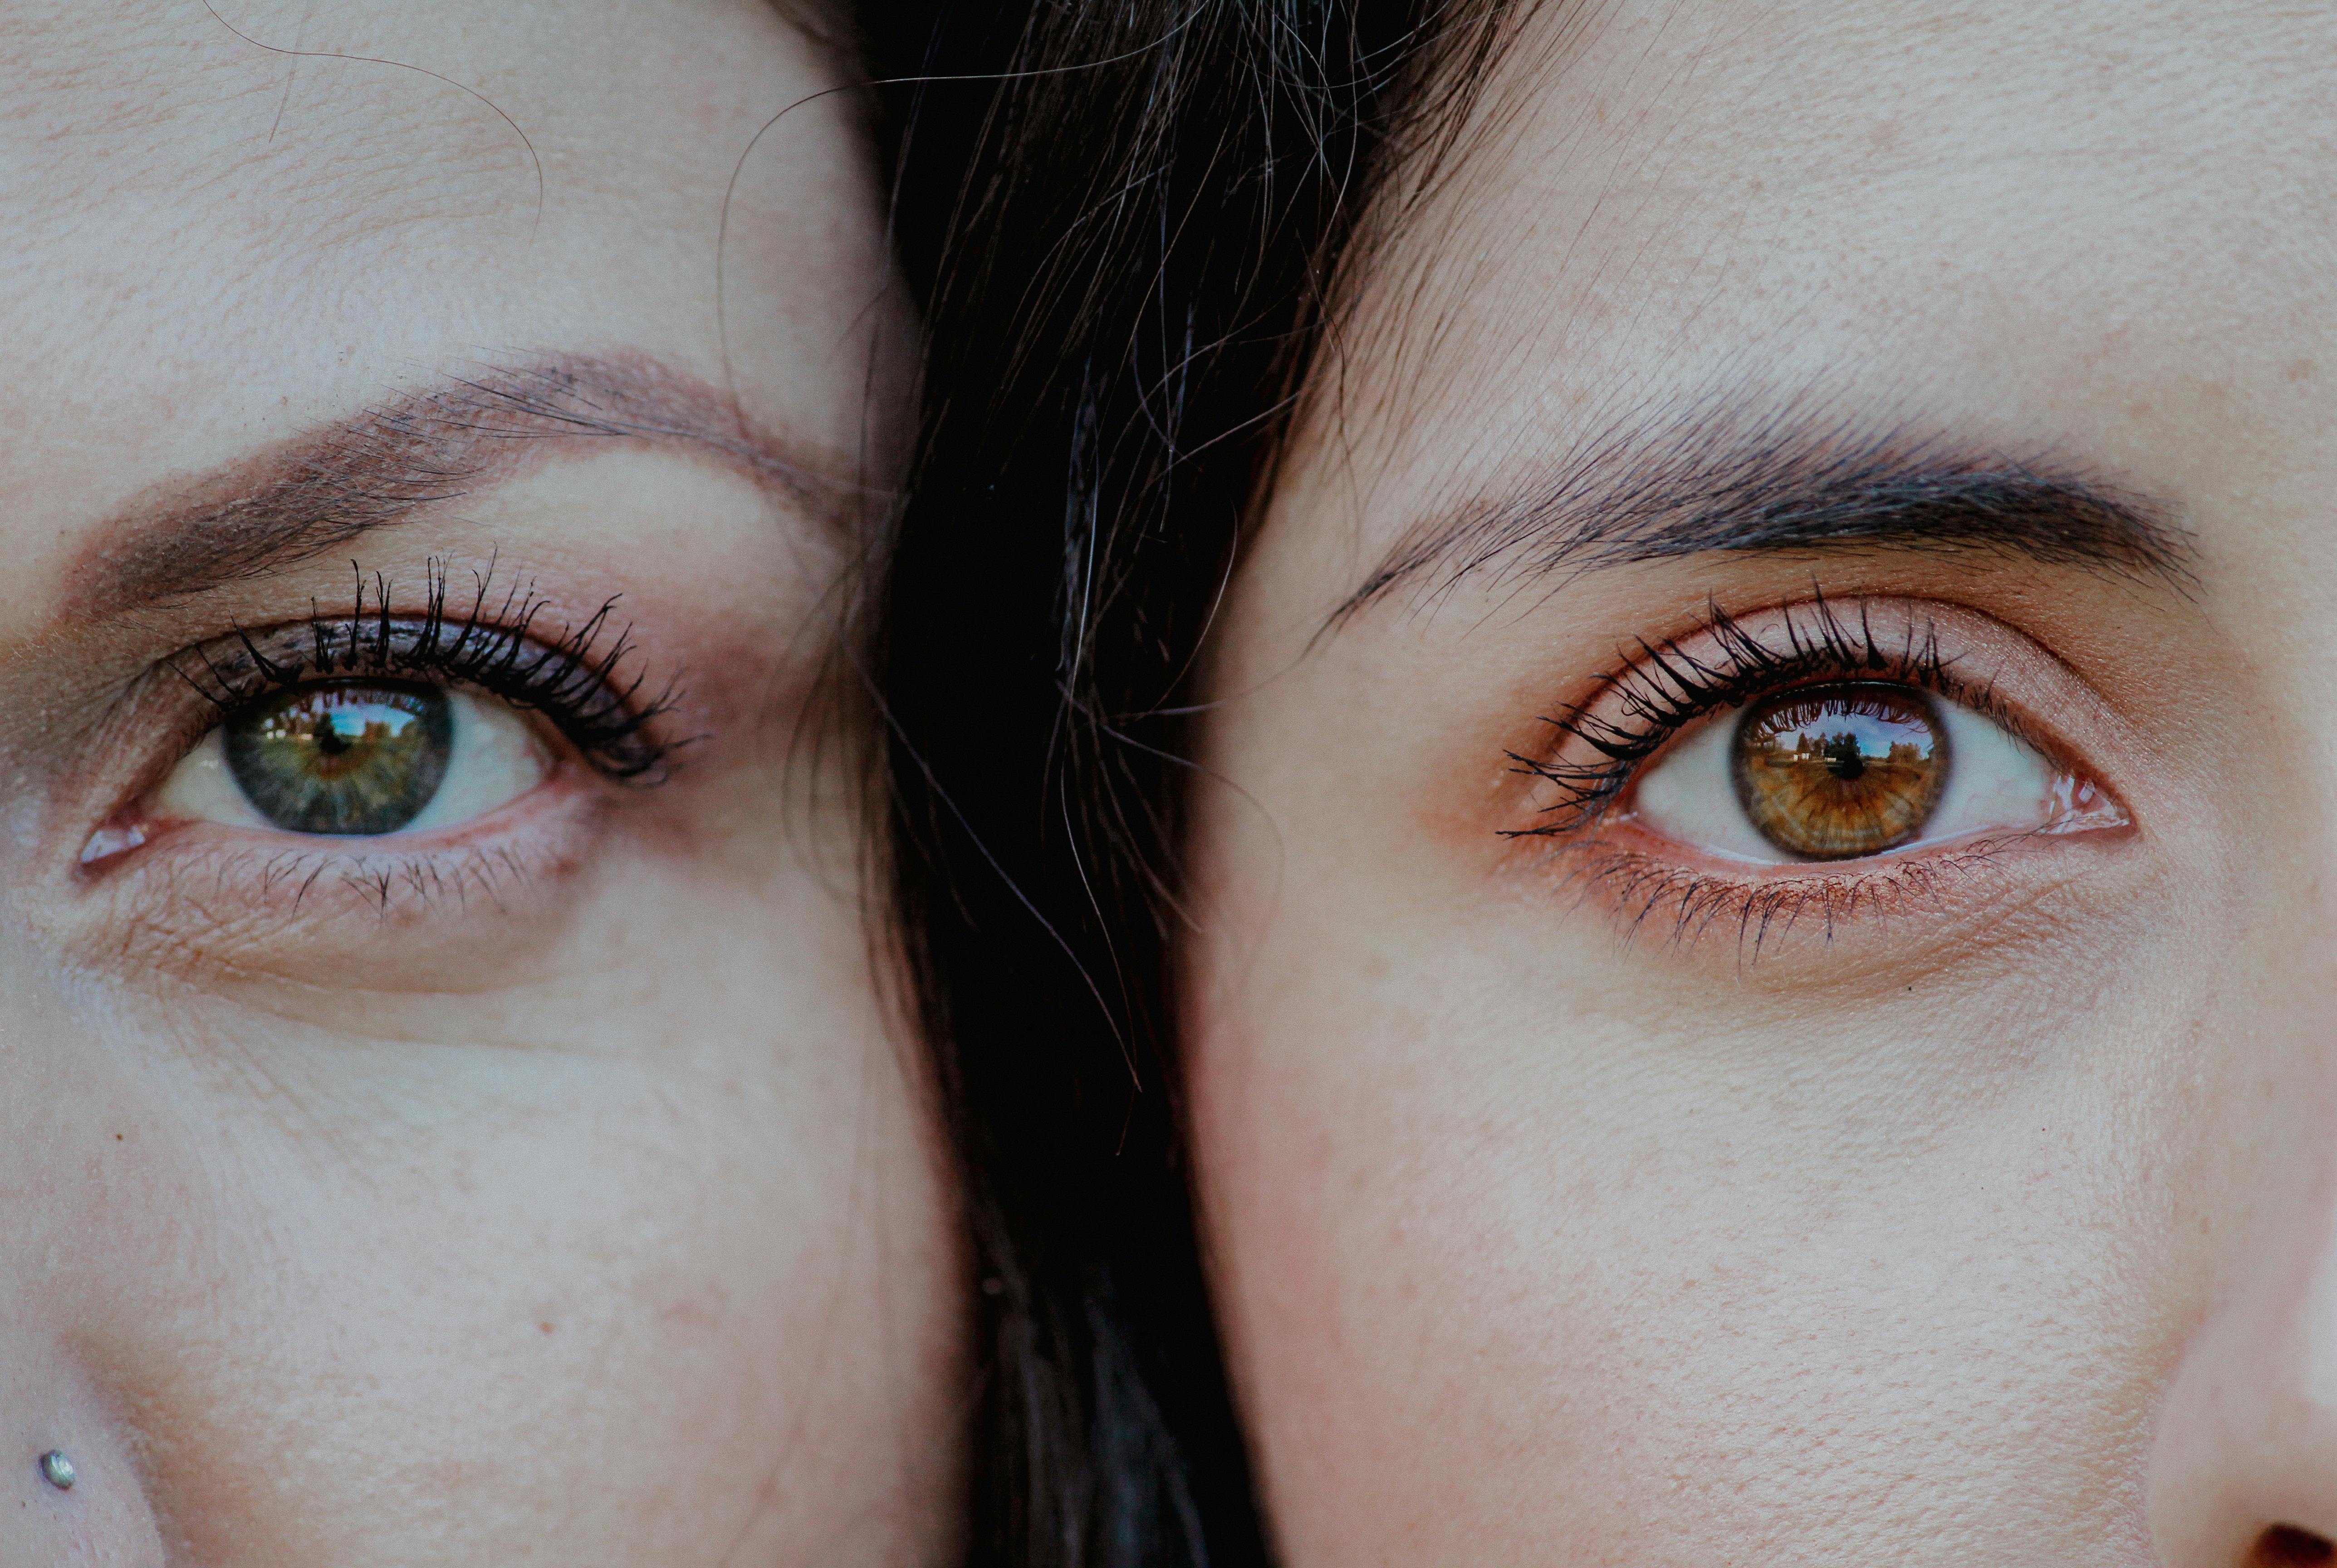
(351, 757)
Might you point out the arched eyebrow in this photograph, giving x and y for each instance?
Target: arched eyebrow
(1793, 484)
(322, 489)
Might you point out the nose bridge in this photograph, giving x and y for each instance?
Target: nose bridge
(2243, 1463)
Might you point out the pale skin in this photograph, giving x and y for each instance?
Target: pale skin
(1990, 1216)
(554, 1182)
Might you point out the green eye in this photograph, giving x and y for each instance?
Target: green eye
(357, 757)
(349, 758)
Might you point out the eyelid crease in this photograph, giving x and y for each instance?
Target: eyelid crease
(578, 680)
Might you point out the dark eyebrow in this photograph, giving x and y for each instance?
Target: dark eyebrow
(319, 490)
(1791, 485)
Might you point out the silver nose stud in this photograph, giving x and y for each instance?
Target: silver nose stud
(58, 1470)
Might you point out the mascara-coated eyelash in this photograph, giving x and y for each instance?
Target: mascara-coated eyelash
(1634, 713)
(575, 679)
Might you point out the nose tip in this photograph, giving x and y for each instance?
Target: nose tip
(2243, 1463)
(2244, 1467)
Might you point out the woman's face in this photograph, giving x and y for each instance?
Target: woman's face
(449, 1118)
(1769, 961)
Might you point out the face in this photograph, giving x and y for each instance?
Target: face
(1767, 950)
(452, 1115)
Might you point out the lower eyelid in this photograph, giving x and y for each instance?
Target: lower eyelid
(1650, 893)
(214, 905)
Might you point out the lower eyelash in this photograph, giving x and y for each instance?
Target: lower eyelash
(1667, 688)
(383, 880)
(395, 886)
(575, 681)
(1685, 905)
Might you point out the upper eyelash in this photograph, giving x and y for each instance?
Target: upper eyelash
(575, 681)
(1667, 688)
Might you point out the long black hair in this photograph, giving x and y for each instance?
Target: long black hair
(1124, 222)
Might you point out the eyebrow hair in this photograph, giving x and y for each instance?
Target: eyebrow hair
(321, 489)
(1789, 485)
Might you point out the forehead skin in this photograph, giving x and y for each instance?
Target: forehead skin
(1542, 1242)
(2009, 216)
(213, 243)
(586, 1210)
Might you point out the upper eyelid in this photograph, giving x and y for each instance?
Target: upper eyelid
(1824, 644)
(586, 679)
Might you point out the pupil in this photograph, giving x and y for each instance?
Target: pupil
(342, 758)
(1835, 772)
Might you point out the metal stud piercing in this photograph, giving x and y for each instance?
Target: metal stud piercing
(58, 1470)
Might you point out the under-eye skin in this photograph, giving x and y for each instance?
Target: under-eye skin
(1851, 739)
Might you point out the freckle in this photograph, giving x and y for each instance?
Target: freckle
(543, 1327)
(2300, 371)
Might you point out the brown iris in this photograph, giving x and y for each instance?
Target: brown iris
(1834, 772)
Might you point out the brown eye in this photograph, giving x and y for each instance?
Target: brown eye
(1835, 773)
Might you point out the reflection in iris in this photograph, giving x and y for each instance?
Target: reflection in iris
(1834, 772)
(346, 757)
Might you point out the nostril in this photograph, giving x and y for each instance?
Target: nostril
(2284, 1544)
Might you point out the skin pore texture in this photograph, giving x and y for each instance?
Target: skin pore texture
(1575, 1194)
(549, 1183)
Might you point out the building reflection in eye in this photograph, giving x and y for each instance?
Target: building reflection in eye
(1840, 771)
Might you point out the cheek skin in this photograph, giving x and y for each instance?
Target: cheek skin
(1861, 1252)
(2004, 1239)
(1494, 1251)
(417, 1293)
